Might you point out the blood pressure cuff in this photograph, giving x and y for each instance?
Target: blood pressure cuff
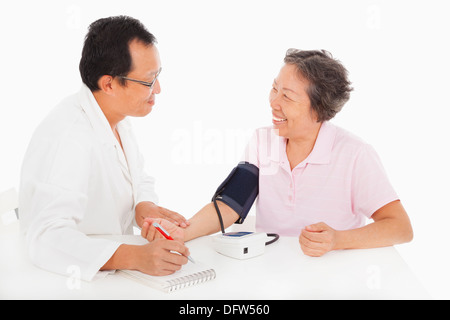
(240, 189)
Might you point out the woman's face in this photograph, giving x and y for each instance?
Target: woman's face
(291, 109)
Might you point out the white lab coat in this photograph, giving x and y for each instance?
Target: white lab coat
(77, 181)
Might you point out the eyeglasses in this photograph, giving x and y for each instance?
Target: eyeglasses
(145, 83)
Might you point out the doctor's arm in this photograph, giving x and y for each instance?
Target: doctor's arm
(157, 258)
(53, 197)
(148, 209)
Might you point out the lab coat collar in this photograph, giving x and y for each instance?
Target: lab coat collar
(126, 157)
(98, 119)
(104, 132)
(96, 116)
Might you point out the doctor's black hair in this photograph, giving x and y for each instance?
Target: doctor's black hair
(106, 48)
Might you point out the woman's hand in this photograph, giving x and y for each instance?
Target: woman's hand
(317, 239)
(150, 233)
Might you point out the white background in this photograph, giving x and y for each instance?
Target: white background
(219, 59)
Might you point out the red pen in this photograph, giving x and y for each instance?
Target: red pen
(167, 235)
(162, 231)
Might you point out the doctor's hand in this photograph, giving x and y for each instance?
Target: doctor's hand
(317, 239)
(150, 233)
(160, 257)
(147, 209)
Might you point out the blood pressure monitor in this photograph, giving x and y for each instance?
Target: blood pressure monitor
(241, 245)
(239, 191)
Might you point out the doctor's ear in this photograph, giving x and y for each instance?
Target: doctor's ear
(105, 83)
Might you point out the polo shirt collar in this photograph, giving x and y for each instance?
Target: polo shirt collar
(321, 153)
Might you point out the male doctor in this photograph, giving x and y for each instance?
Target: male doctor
(83, 174)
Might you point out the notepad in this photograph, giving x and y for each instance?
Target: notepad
(190, 274)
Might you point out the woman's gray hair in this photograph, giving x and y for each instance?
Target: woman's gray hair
(329, 89)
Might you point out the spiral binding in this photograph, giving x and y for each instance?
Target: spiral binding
(190, 280)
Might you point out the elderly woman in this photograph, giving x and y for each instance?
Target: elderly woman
(316, 180)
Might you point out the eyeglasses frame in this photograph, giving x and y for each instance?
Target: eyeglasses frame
(144, 83)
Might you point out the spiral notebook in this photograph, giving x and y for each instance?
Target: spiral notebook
(190, 274)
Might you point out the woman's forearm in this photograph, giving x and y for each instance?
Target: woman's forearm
(391, 226)
(206, 221)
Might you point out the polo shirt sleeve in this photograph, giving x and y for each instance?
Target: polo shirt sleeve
(371, 188)
(251, 151)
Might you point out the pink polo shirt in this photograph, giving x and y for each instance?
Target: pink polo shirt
(342, 182)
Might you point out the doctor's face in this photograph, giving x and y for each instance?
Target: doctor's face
(136, 99)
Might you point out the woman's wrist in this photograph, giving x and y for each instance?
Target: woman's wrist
(341, 239)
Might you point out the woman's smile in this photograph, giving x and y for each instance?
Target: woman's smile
(277, 120)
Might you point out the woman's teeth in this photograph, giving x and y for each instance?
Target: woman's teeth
(278, 119)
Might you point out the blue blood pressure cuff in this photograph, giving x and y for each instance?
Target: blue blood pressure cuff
(239, 190)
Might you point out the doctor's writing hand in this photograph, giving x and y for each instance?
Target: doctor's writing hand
(160, 257)
(150, 233)
(147, 209)
(317, 239)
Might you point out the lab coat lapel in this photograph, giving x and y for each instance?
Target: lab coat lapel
(122, 157)
(131, 153)
(102, 128)
(126, 158)
(96, 117)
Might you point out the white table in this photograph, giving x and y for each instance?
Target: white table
(283, 272)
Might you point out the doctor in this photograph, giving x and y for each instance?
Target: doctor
(83, 174)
